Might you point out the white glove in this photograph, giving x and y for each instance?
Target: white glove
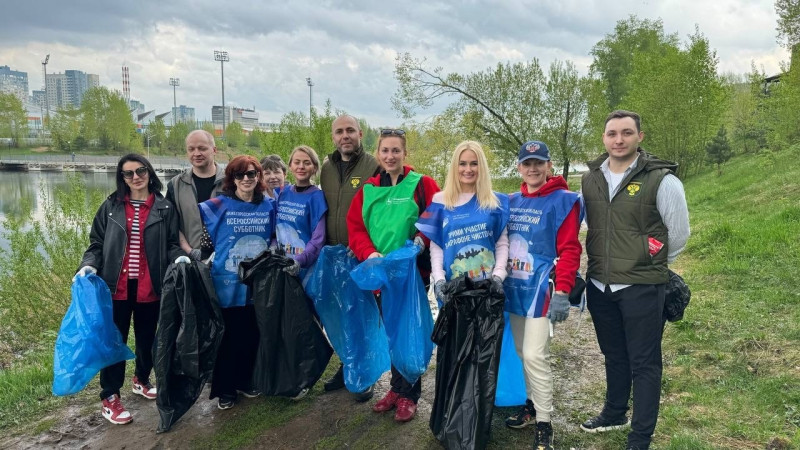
(419, 242)
(182, 259)
(85, 270)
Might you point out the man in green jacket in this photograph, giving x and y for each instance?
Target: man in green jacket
(342, 175)
(638, 223)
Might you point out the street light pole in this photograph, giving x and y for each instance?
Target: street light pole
(174, 82)
(310, 101)
(222, 57)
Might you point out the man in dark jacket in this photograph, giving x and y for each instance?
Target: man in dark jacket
(638, 223)
(342, 175)
(195, 185)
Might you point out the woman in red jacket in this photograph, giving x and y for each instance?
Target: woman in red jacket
(381, 220)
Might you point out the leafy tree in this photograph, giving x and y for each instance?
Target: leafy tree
(680, 97)
(718, 150)
(744, 111)
(502, 106)
(65, 130)
(176, 140)
(431, 145)
(234, 135)
(788, 22)
(106, 119)
(565, 128)
(157, 131)
(254, 139)
(613, 55)
(13, 119)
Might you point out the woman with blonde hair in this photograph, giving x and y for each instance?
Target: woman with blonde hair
(300, 224)
(466, 222)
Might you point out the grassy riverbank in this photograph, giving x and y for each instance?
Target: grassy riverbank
(732, 366)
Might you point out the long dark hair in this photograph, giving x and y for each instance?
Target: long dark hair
(153, 185)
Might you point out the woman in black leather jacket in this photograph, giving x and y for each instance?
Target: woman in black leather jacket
(134, 221)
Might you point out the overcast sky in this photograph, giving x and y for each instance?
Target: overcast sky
(348, 48)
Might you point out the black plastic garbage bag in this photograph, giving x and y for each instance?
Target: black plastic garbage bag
(292, 351)
(676, 297)
(190, 329)
(469, 333)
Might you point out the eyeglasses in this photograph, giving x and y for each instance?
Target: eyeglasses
(128, 174)
(251, 174)
(392, 132)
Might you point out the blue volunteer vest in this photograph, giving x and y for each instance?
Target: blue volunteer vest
(297, 217)
(532, 228)
(467, 235)
(238, 230)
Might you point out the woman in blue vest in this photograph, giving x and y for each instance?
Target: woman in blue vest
(466, 222)
(240, 223)
(300, 222)
(543, 228)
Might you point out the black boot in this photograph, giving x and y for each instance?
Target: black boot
(336, 382)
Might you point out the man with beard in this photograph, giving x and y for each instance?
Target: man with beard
(342, 175)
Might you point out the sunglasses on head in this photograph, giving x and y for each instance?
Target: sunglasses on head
(392, 132)
(251, 174)
(141, 171)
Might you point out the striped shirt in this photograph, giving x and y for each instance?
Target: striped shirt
(135, 247)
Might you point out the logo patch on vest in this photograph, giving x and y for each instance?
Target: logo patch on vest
(633, 188)
(355, 182)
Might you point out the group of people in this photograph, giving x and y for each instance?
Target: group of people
(635, 210)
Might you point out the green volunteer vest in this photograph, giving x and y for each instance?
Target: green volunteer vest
(390, 212)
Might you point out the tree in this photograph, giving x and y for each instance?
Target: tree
(431, 145)
(157, 131)
(613, 55)
(176, 140)
(788, 22)
(503, 106)
(234, 135)
(65, 130)
(565, 127)
(13, 119)
(680, 97)
(718, 150)
(107, 120)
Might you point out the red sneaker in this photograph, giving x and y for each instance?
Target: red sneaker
(406, 409)
(146, 390)
(115, 412)
(387, 402)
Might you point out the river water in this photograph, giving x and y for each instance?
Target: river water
(16, 187)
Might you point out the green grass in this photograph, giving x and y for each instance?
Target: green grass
(731, 367)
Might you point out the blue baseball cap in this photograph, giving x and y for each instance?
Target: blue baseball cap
(533, 149)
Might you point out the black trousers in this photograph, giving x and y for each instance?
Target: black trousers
(629, 328)
(236, 356)
(145, 320)
(397, 382)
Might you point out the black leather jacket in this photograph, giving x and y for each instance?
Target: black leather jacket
(108, 240)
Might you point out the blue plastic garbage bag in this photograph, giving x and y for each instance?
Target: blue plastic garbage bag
(88, 339)
(404, 306)
(350, 317)
(510, 377)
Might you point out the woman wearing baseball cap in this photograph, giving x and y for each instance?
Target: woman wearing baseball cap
(543, 228)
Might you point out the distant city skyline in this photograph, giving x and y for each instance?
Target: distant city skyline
(348, 50)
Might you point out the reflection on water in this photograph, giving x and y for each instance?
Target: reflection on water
(16, 187)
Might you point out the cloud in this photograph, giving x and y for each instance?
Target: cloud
(346, 47)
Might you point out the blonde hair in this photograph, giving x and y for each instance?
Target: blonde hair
(483, 186)
(312, 154)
